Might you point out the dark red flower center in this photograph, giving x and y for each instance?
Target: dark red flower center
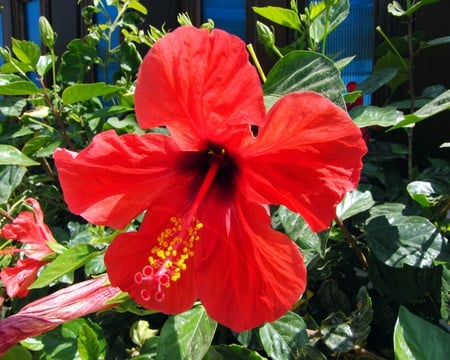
(168, 259)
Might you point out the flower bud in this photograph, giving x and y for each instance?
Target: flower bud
(48, 36)
(265, 35)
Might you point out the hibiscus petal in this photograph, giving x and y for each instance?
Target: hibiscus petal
(17, 279)
(306, 157)
(116, 177)
(129, 253)
(29, 228)
(200, 85)
(248, 273)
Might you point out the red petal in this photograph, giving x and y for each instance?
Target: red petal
(200, 85)
(248, 273)
(116, 177)
(306, 157)
(129, 254)
(29, 228)
(17, 279)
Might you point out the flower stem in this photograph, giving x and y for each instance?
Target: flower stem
(352, 242)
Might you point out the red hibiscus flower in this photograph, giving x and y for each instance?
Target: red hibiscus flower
(205, 188)
(29, 229)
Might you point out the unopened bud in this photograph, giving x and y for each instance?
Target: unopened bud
(265, 35)
(48, 36)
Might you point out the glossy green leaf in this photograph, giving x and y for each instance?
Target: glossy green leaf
(82, 92)
(373, 115)
(298, 230)
(435, 106)
(415, 338)
(44, 64)
(233, 351)
(21, 87)
(186, 336)
(377, 79)
(279, 15)
(397, 240)
(10, 178)
(425, 193)
(70, 260)
(282, 339)
(327, 20)
(9, 155)
(304, 70)
(26, 51)
(354, 202)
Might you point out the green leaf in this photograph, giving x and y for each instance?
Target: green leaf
(82, 92)
(298, 230)
(370, 115)
(341, 333)
(70, 260)
(9, 155)
(17, 352)
(377, 79)
(354, 202)
(304, 70)
(279, 15)
(326, 21)
(397, 10)
(435, 106)
(88, 344)
(282, 339)
(445, 293)
(415, 338)
(233, 351)
(21, 87)
(136, 5)
(66, 341)
(44, 64)
(186, 336)
(406, 285)
(426, 193)
(397, 240)
(438, 41)
(34, 144)
(10, 178)
(26, 51)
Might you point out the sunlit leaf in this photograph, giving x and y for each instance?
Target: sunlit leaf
(399, 240)
(70, 260)
(186, 336)
(82, 92)
(304, 70)
(9, 155)
(354, 202)
(373, 115)
(279, 15)
(282, 339)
